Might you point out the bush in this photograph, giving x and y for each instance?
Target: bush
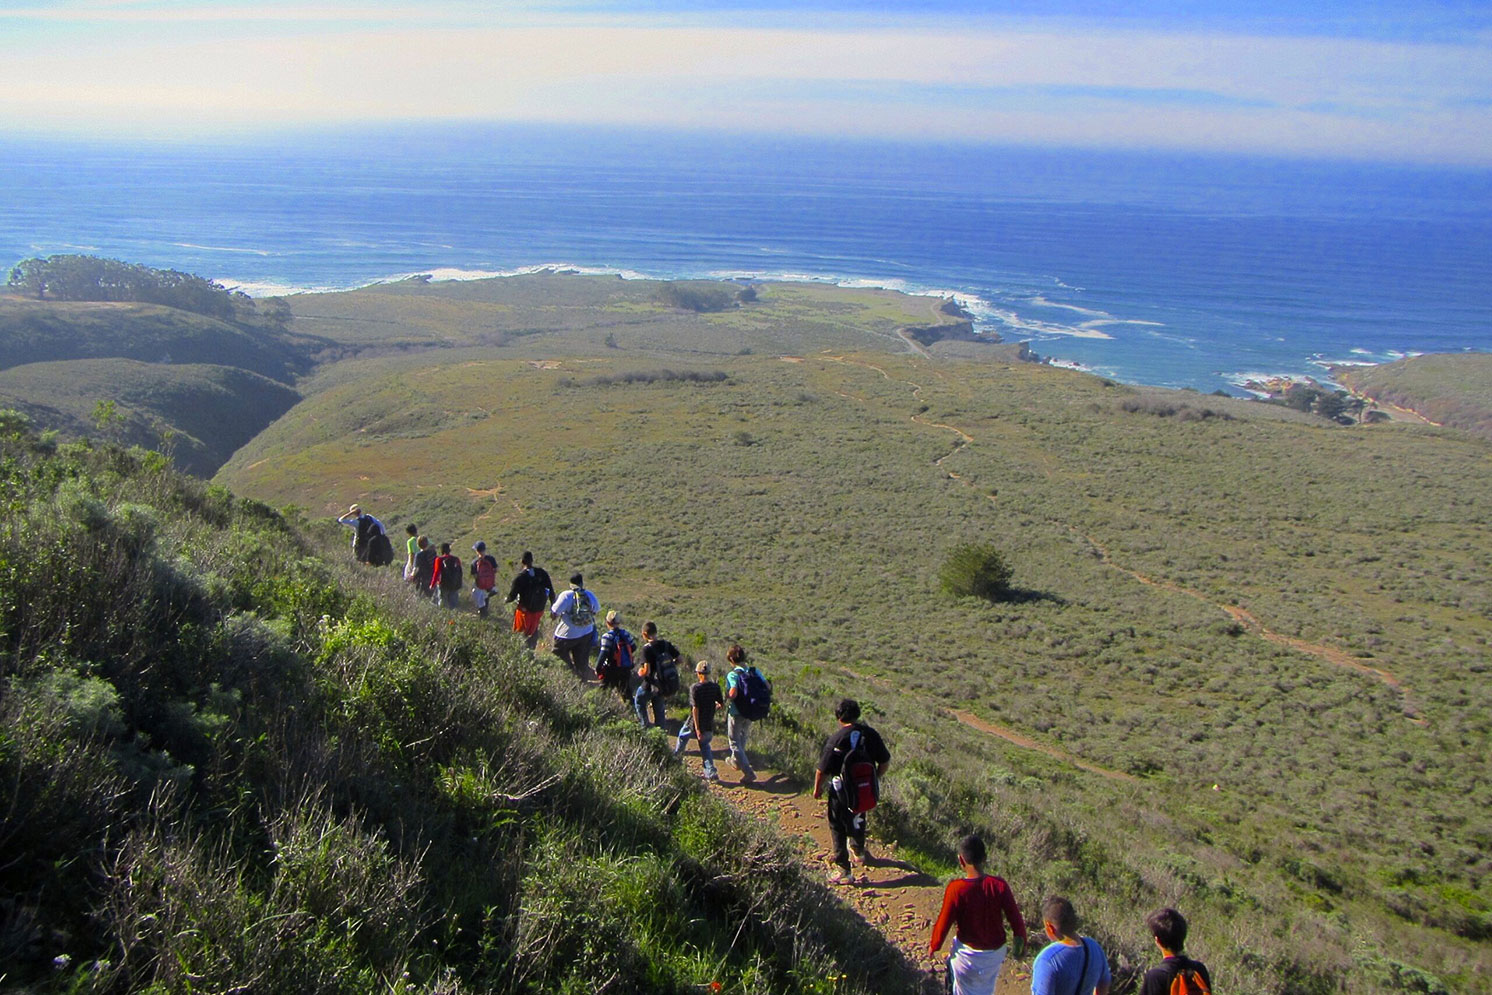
(975, 570)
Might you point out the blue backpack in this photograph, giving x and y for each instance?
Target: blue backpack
(753, 694)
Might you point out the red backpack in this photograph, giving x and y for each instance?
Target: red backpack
(859, 787)
(486, 568)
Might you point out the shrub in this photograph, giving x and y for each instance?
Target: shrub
(976, 570)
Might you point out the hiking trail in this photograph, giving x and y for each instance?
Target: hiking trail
(896, 899)
(1250, 622)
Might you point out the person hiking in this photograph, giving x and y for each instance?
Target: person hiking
(1071, 964)
(411, 549)
(978, 905)
(1169, 929)
(847, 827)
(532, 591)
(659, 673)
(614, 664)
(737, 720)
(483, 577)
(364, 528)
(424, 568)
(704, 699)
(446, 580)
(576, 629)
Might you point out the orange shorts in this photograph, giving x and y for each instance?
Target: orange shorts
(527, 622)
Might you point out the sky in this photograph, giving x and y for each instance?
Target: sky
(1378, 80)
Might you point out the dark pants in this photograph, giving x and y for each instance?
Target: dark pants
(844, 826)
(576, 652)
(619, 680)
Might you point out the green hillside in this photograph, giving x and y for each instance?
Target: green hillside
(226, 765)
(1270, 631)
(47, 331)
(199, 414)
(1454, 390)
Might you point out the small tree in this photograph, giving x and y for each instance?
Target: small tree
(976, 570)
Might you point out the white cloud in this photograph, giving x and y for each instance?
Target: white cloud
(1279, 95)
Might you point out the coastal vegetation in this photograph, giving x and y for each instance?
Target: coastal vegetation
(248, 769)
(1245, 596)
(1453, 390)
(193, 368)
(1237, 666)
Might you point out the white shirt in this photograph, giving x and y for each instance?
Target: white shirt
(563, 606)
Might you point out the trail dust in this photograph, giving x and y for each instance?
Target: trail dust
(892, 895)
(1245, 618)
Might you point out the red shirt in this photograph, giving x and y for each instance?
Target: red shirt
(977, 905)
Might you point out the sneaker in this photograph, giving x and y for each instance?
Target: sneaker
(838, 875)
(748, 778)
(711, 775)
(858, 854)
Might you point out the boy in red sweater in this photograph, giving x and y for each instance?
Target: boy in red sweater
(979, 904)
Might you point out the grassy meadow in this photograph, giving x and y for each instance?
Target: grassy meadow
(1264, 634)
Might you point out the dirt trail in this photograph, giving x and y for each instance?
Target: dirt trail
(1251, 623)
(895, 898)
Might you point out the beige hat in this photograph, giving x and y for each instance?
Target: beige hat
(611, 617)
(355, 510)
(702, 667)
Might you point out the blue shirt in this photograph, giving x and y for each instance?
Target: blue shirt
(1056, 969)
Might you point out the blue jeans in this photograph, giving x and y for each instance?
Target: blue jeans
(641, 698)
(685, 731)
(736, 730)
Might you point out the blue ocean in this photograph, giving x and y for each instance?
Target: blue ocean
(1171, 270)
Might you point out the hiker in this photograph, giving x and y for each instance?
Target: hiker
(749, 695)
(411, 549)
(365, 531)
(483, 577)
(533, 592)
(614, 664)
(576, 629)
(660, 675)
(846, 807)
(1070, 963)
(1169, 929)
(979, 905)
(447, 577)
(704, 699)
(423, 578)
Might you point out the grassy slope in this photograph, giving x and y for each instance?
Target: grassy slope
(803, 507)
(209, 410)
(1453, 390)
(40, 332)
(246, 770)
(212, 384)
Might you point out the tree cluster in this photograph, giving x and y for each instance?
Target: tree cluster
(91, 278)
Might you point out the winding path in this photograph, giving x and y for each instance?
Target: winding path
(1250, 622)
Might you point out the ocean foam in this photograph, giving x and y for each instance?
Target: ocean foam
(235, 250)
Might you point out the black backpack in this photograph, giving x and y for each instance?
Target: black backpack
(664, 673)
(450, 573)
(380, 551)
